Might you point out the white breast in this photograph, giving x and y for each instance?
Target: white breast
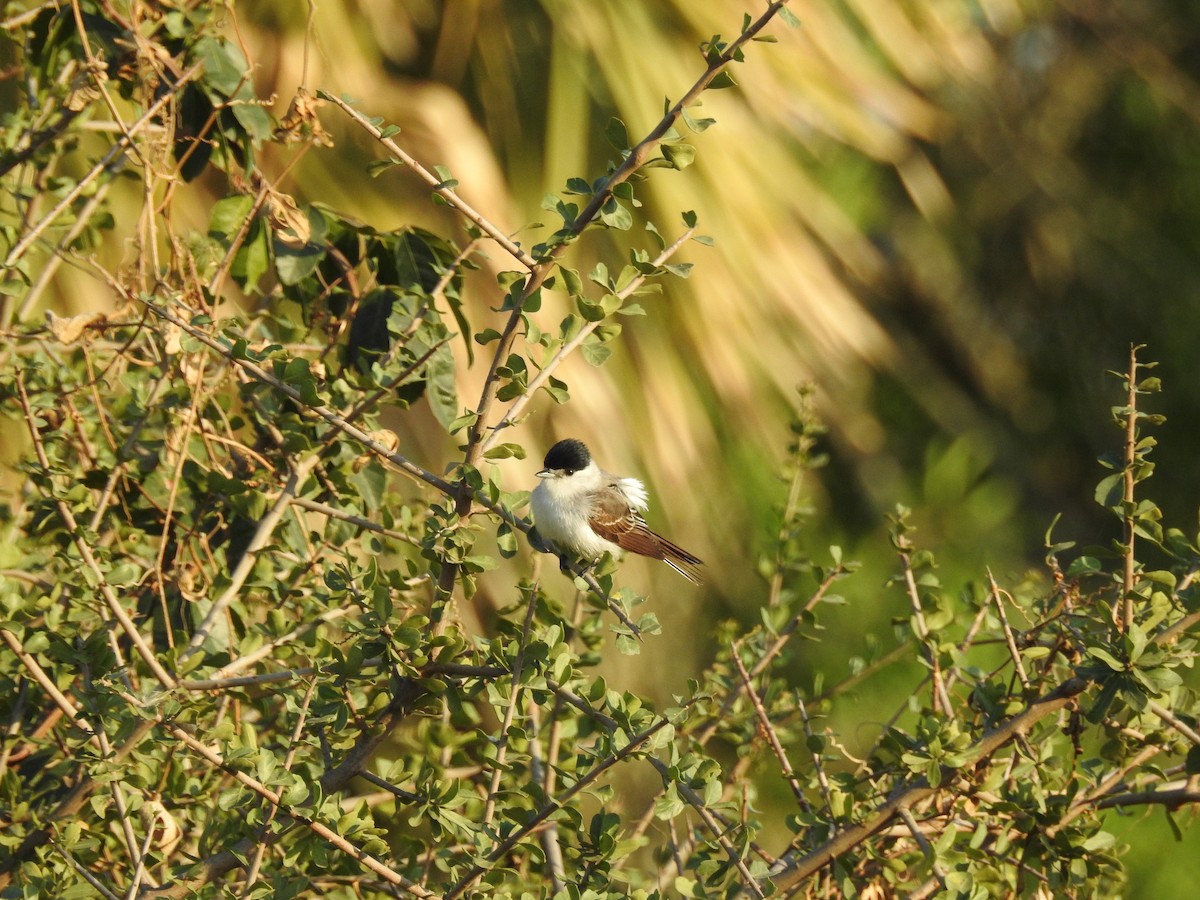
(560, 511)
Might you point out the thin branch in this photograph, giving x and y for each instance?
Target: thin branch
(1174, 721)
(266, 527)
(105, 161)
(914, 829)
(85, 551)
(638, 156)
(818, 765)
(47, 684)
(1083, 803)
(1008, 634)
(1172, 796)
(789, 874)
(322, 412)
(257, 656)
(768, 728)
(297, 733)
(389, 788)
(357, 521)
(514, 694)
(569, 347)
(941, 698)
(82, 870)
(438, 185)
(553, 805)
(538, 772)
(318, 828)
(710, 822)
(1125, 618)
(774, 650)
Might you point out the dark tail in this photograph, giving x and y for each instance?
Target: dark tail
(681, 561)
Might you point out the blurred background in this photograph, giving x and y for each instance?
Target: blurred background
(950, 217)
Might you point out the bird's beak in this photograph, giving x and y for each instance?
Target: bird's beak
(546, 473)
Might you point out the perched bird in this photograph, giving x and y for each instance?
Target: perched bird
(583, 509)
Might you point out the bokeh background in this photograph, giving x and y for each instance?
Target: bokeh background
(950, 217)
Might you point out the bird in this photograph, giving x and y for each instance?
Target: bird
(580, 508)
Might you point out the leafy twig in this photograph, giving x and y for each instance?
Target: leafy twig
(89, 558)
(439, 185)
(1008, 634)
(789, 874)
(105, 161)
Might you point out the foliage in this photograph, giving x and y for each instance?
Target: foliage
(231, 657)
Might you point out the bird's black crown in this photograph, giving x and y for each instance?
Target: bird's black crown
(569, 456)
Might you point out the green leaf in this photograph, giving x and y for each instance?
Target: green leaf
(721, 81)
(557, 390)
(1084, 565)
(442, 389)
(614, 215)
(697, 125)
(228, 216)
(679, 155)
(294, 263)
(506, 451)
(225, 68)
(377, 167)
(1110, 490)
(599, 275)
(254, 258)
(596, 354)
(572, 281)
(371, 482)
(617, 134)
(1192, 761)
(1107, 658)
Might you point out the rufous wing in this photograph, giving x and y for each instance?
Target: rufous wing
(615, 520)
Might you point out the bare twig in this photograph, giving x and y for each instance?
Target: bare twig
(998, 602)
(768, 728)
(914, 829)
(941, 698)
